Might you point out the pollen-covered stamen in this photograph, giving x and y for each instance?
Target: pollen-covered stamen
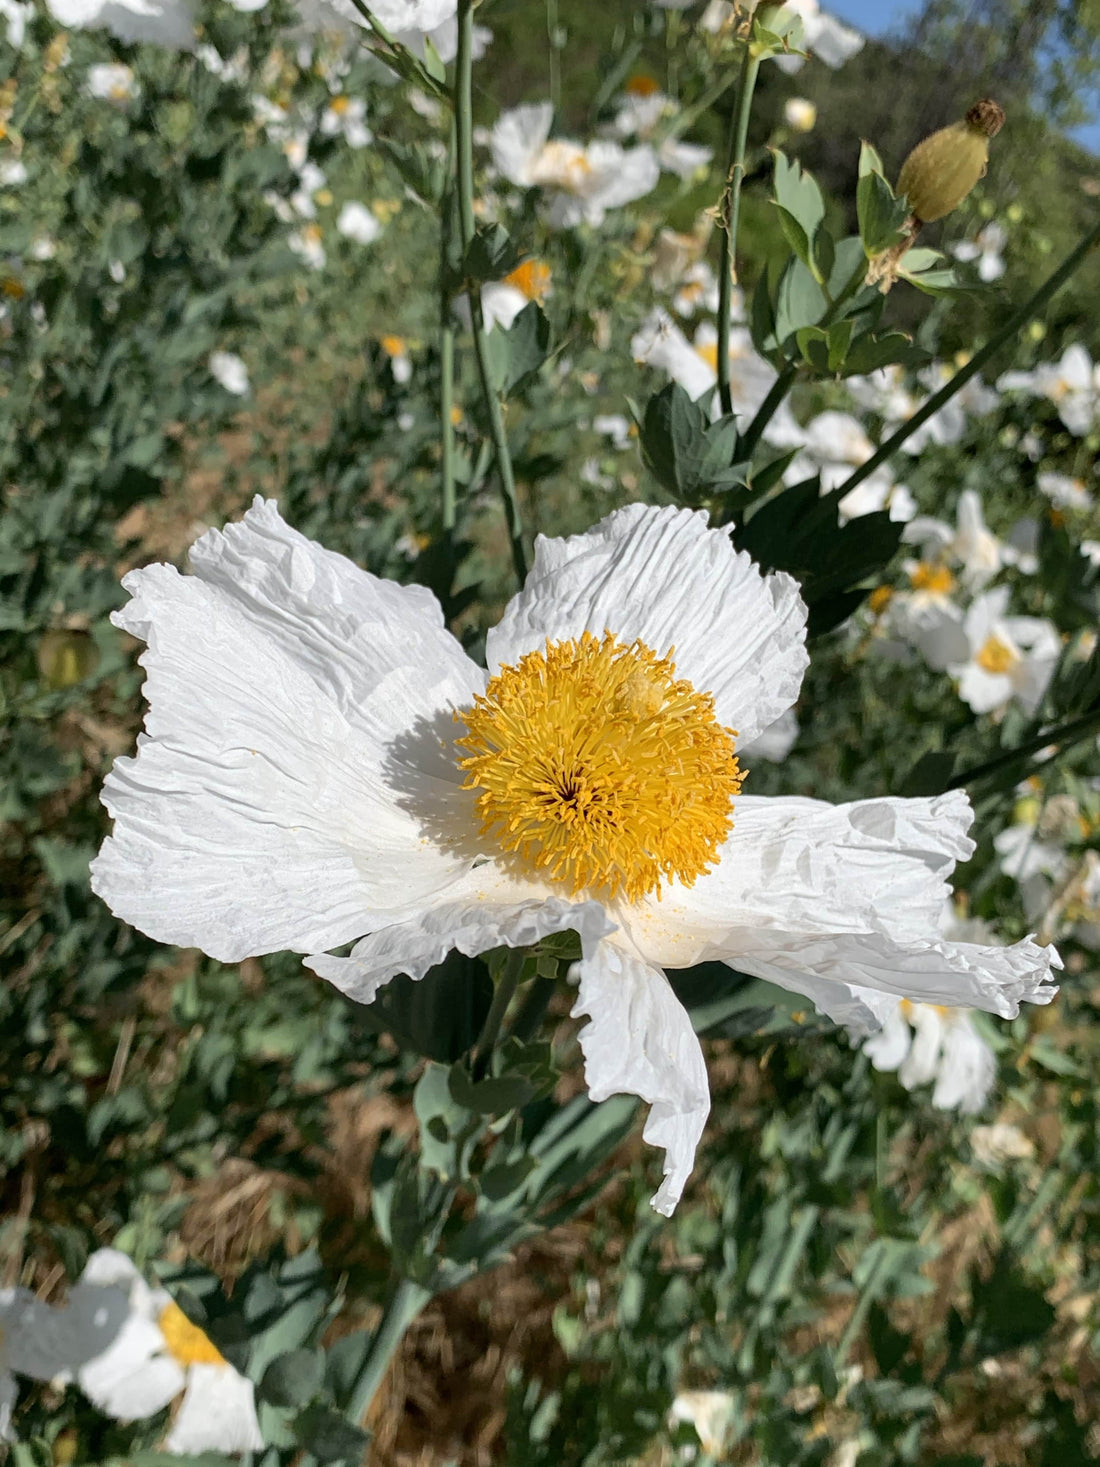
(601, 769)
(187, 1344)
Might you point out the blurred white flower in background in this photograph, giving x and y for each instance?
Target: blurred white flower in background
(993, 1146)
(1065, 492)
(358, 223)
(581, 182)
(986, 250)
(227, 368)
(931, 1042)
(16, 15)
(799, 114)
(1071, 384)
(112, 81)
(823, 35)
(307, 242)
(13, 172)
(345, 117)
(396, 15)
(969, 544)
(1008, 657)
(710, 1413)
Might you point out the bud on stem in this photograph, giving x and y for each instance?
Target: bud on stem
(940, 171)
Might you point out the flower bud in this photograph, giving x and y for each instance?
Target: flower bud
(940, 171)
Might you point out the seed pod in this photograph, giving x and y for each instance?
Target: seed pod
(940, 171)
(66, 658)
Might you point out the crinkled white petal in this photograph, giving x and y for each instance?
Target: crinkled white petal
(485, 910)
(921, 1063)
(664, 577)
(798, 865)
(887, 1049)
(217, 1413)
(639, 1041)
(294, 749)
(840, 973)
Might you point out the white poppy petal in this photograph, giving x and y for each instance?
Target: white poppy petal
(133, 1378)
(660, 575)
(639, 1041)
(887, 1049)
(968, 1068)
(805, 865)
(518, 137)
(269, 803)
(217, 1413)
(485, 910)
(838, 972)
(922, 1061)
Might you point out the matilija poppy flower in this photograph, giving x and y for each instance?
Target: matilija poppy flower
(322, 760)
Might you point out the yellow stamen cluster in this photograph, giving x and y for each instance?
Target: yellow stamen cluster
(186, 1342)
(531, 279)
(393, 346)
(934, 578)
(601, 769)
(995, 655)
(641, 85)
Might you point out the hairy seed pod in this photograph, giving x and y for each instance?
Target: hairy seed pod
(940, 171)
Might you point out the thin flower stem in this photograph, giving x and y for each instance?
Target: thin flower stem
(406, 1301)
(1014, 323)
(731, 213)
(552, 32)
(465, 148)
(446, 413)
(506, 987)
(1064, 734)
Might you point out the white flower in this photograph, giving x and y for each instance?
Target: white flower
(322, 760)
(877, 492)
(112, 81)
(1072, 385)
(346, 117)
(16, 15)
(987, 249)
(581, 183)
(698, 291)
(825, 36)
(971, 545)
(356, 222)
(397, 349)
(227, 368)
(1008, 656)
(1065, 492)
(711, 1414)
(307, 243)
(164, 22)
(154, 1353)
(615, 427)
(799, 114)
(931, 1042)
(13, 173)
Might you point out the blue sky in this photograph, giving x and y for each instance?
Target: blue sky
(874, 17)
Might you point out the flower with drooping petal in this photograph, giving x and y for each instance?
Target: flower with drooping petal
(322, 762)
(155, 1352)
(581, 183)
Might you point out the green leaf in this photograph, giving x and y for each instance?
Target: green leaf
(801, 207)
(930, 775)
(444, 1124)
(799, 301)
(325, 1433)
(293, 1379)
(526, 346)
(439, 1016)
(493, 1097)
(880, 212)
(691, 457)
(490, 255)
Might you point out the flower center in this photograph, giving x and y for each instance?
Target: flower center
(641, 85)
(562, 165)
(996, 655)
(708, 350)
(600, 768)
(186, 1342)
(531, 279)
(934, 578)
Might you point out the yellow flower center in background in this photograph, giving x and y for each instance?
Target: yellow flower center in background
(708, 350)
(600, 768)
(996, 655)
(394, 346)
(641, 85)
(186, 1342)
(340, 105)
(935, 578)
(562, 165)
(531, 279)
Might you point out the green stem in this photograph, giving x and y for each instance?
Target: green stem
(465, 148)
(533, 1008)
(447, 385)
(1066, 733)
(1014, 323)
(552, 32)
(731, 213)
(683, 120)
(404, 1304)
(506, 987)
